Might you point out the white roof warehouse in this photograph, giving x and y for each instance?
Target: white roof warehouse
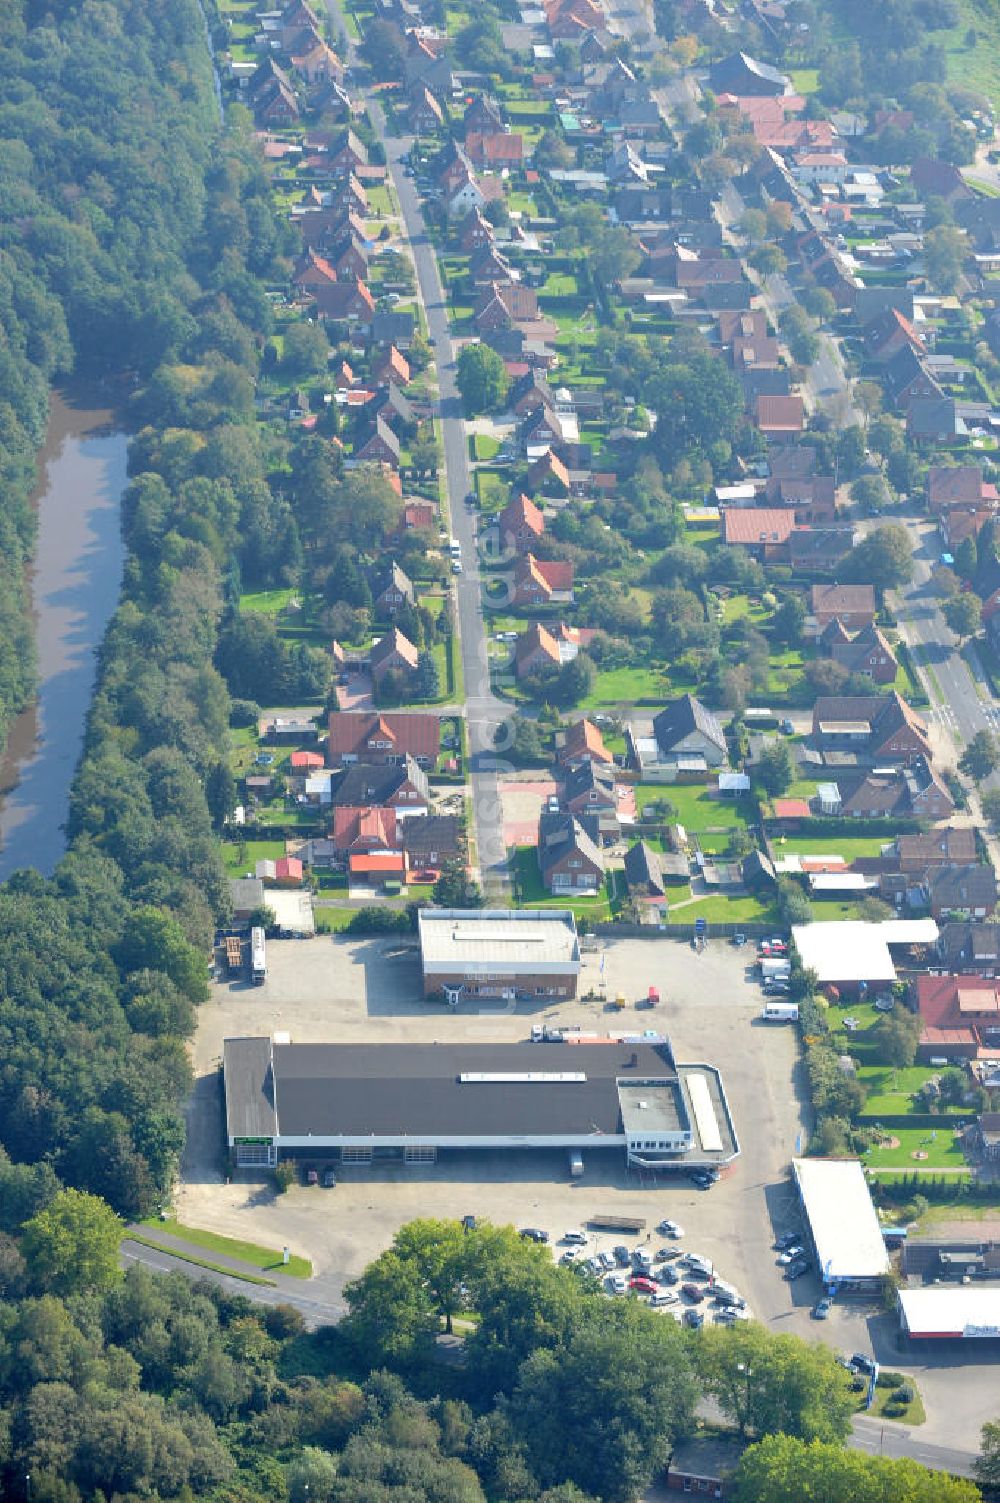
(850, 1248)
(966, 1312)
(497, 952)
(854, 952)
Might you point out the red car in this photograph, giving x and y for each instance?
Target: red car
(644, 1286)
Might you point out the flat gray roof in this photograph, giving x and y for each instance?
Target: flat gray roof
(404, 1090)
(651, 1106)
(452, 938)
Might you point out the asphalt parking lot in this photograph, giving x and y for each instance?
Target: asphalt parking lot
(340, 989)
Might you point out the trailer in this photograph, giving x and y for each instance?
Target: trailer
(258, 958)
(632, 1224)
(234, 953)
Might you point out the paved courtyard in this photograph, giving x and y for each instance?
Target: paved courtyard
(342, 989)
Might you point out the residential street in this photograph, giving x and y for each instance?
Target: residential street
(483, 711)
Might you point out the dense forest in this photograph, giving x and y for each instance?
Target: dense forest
(132, 1386)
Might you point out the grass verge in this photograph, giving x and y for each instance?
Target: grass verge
(265, 1258)
(233, 1273)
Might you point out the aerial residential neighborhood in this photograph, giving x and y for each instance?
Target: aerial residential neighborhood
(501, 695)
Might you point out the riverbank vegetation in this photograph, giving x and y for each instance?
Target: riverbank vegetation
(134, 236)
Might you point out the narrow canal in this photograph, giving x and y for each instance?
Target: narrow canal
(75, 582)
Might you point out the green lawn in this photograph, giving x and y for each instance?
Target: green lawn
(268, 602)
(723, 910)
(241, 858)
(805, 80)
(626, 686)
(697, 807)
(484, 446)
(531, 893)
(265, 1258)
(943, 1150)
(333, 920)
(848, 846)
(893, 1092)
(915, 1414)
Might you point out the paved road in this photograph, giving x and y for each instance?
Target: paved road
(887, 1438)
(318, 1301)
(483, 711)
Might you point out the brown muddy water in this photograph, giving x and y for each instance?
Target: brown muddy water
(75, 581)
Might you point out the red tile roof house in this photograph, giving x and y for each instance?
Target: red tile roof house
(345, 302)
(548, 476)
(474, 232)
(763, 531)
(521, 525)
(503, 304)
(960, 1017)
(389, 367)
(780, 418)
(881, 728)
(497, 149)
(583, 742)
(362, 827)
(288, 871)
(868, 653)
(886, 335)
(540, 648)
(313, 270)
(306, 761)
(957, 485)
(392, 589)
(362, 736)
(538, 582)
(393, 653)
(853, 605)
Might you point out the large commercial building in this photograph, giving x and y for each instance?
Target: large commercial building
(845, 1231)
(968, 1312)
(498, 952)
(355, 1103)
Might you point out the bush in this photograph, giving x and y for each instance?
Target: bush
(243, 712)
(284, 1177)
(894, 1411)
(890, 1380)
(905, 1394)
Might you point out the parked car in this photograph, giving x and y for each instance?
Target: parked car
(694, 1292)
(312, 1177)
(670, 1229)
(739, 940)
(667, 1254)
(537, 1033)
(662, 1297)
(702, 1178)
(861, 1363)
(667, 1275)
(694, 1318)
(821, 1309)
(642, 1285)
(617, 1283)
(786, 728)
(787, 1240)
(622, 1256)
(575, 1238)
(797, 1269)
(789, 1254)
(642, 1260)
(534, 1234)
(329, 1179)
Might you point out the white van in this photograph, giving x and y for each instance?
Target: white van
(454, 547)
(575, 1239)
(780, 1012)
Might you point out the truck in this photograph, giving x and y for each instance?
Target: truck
(780, 1012)
(258, 959)
(234, 953)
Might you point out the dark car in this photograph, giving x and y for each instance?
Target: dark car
(861, 1363)
(329, 1179)
(667, 1275)
(471, 499)
(694, 1292)
(534, 1234)
(797, 1269)
(667, 1254)
(694, 1318)
(786, 1240)
(702, 1179)
(622, 1255)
